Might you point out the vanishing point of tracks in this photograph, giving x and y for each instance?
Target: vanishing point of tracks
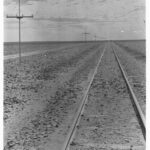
(101, 122)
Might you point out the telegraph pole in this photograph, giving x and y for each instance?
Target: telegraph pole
(85, 35)
(19, 17)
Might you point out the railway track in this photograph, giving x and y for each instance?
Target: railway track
(81, 109)
(87, 130)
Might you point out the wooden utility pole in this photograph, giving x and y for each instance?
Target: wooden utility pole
(85, 35)
(19, 17)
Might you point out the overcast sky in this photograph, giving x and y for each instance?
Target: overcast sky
(68, 19)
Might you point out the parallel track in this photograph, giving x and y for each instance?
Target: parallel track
(135, 103)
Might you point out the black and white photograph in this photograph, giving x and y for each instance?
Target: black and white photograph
(74, 75)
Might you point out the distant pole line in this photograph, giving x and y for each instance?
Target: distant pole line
(95, 37)
(108, 21)
(19, 17)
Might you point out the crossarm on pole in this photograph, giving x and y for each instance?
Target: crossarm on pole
(11, 16)
(19, 17)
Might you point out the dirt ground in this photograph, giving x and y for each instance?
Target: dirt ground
(43, 94)
(135, 46)
(26, 47)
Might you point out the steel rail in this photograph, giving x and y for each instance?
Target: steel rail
(81, 108)
(137, 108)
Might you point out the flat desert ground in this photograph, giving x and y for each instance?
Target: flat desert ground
(43, 93)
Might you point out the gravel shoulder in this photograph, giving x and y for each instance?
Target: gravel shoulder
(136, 72)
(109, 121)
